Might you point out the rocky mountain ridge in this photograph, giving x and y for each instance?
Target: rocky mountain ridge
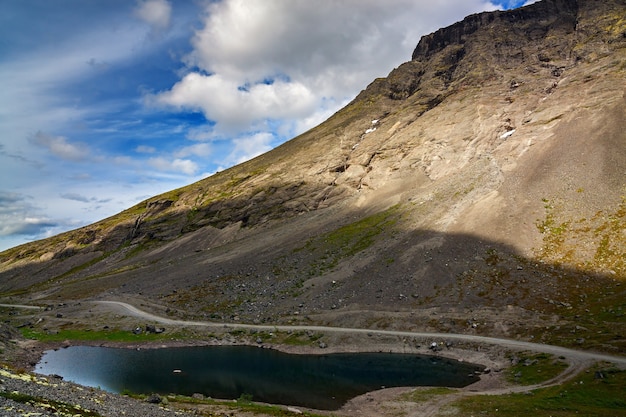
(481, 182)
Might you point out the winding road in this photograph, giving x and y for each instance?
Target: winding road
(21, 306)
(572, 354)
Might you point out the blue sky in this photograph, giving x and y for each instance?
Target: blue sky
(105, 103)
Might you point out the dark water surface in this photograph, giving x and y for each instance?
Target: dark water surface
(322, 382)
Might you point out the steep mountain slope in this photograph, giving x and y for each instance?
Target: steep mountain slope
(478, 188)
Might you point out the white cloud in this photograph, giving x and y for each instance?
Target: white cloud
(145, 149)
(327, 43)
(23, 225)
(123, 160)
(200, 149)
(184, 166)
(200, 133)
(298, 60)
(60, 147)
(75, 197)
(234, 106)
(156, 13)
(247, 147)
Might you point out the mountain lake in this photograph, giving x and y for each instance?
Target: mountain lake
(319, 381)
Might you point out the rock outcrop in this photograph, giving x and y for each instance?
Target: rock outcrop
(529, 24)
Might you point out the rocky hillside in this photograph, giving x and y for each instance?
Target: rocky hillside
(480, 187)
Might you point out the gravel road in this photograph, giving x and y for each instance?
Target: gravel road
(571, 354)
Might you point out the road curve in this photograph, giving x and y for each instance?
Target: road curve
(21, 306)
(509, 343)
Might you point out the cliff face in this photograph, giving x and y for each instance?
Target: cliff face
(531, 23)
(551, 34)
(486, 173)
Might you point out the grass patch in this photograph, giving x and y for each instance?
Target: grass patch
(360, 235)
(298, 338)
(602, 233)
(348, 240)
(92, 335)
(301, 338)
(421, 395)
(598, 392)
(529, 369)
(244, 403)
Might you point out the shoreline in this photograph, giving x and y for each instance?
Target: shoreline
(489, 379)
(491, 358)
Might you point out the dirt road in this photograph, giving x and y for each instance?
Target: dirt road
(571, 354)
(21, 306)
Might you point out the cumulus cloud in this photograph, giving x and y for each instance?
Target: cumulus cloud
(61, 147)
(233, 105)
(156, 13)
(184, 166)
(297, 61)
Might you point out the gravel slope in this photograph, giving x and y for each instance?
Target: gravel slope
(51, 396)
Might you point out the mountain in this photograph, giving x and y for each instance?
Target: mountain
(479, 187)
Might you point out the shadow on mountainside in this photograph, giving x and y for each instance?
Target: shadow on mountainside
(367, 272)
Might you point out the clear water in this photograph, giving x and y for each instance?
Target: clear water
(323, 382)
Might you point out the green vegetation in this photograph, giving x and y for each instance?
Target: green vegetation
(359, 235)
(244, 403)
(585, 261)
(609, 253)
(245, 398)
(426, 394)
(564, 239)
(92, 335)
(598, 392)
(530, 369)
(553, 234)
(349, 240)
(301, 338)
